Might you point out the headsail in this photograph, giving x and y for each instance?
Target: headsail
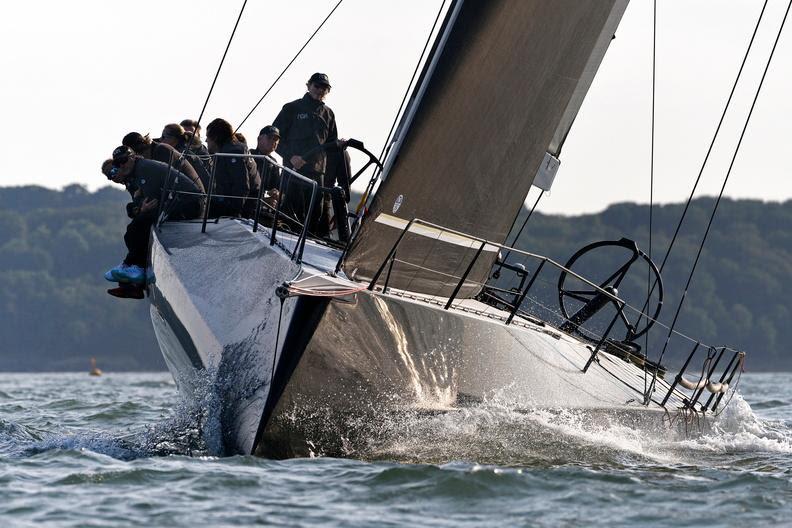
(502, 88)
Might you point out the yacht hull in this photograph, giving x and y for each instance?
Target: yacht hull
(319, 375)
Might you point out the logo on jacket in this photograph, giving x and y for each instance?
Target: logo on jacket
(302, 116)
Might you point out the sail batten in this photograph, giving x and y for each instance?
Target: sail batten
(502, 88)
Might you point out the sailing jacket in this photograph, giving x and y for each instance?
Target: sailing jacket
(269, 173)
(305, 125)
(151, 176)
(231, 177)
(167, 154)
(198, 156)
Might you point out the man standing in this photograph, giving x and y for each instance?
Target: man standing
(307, 129)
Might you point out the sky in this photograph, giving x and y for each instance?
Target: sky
(77, 76)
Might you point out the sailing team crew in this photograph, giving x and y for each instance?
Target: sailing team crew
(171, 175)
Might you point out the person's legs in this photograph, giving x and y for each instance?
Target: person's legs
(137, 238)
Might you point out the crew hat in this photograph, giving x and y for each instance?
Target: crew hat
(270, 130)
(320, 78)
(121, 155)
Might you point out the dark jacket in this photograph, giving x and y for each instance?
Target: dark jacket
(199, 157)
(167, 154)
(304, 125)
(254, 186)
(269, 173)
(150, 176)
(231, 177)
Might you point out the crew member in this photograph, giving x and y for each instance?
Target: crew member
(268, 170)
(254, 180)
(307, 128)
(149, 177)
(176, 137)
(144, 147)
(231, 172)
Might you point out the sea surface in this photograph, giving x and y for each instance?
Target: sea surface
(125, 450)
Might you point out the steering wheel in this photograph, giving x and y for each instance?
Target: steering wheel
(579, 301)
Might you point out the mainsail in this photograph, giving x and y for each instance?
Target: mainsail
(501, 89)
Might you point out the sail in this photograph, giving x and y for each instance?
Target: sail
(501, 90)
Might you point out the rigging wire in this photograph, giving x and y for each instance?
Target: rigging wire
(220, 66)
(706, 158)
(517, 236)
(165, 210)
(649, 287)
(723, 187)
(409, 85)
(288, 65)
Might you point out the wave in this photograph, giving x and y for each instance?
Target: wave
(495, 432)
(492, 432)
(192, 428)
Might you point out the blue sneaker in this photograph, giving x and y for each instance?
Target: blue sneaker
(109, 274)
(133, 274)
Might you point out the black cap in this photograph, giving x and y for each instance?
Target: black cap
(121, 155)
(320, 78)
(270, 130)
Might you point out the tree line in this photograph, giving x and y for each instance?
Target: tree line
(56, 245)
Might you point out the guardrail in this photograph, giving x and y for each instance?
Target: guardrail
(514, 310)
(287, 175)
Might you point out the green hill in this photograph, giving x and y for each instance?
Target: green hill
(54, 312)
(55, 246)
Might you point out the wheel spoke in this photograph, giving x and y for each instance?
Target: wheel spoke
(578, 296)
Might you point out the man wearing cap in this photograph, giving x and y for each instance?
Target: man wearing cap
(307, 129)
(149, 177)
(267, 143)
(269, 173)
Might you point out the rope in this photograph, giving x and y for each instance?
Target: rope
(525, 223)
(289, 65)
(725, 181)
(649, 287)
(277, 341)
(217, 74)
(326, 293)
(409, 85)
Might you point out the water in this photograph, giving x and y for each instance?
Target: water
(123, 450)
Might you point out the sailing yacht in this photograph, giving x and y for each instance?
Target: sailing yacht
(313, 341)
